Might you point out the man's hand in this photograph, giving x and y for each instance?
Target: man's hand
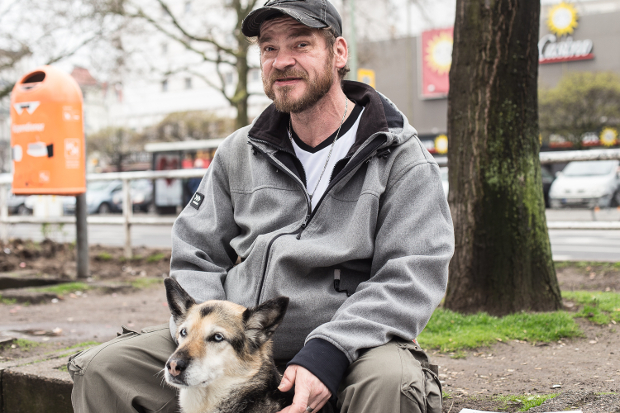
(309, 391)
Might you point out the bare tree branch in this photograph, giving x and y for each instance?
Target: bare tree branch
(141, 14)
(74, 50)
(209, 40)
(8, 9)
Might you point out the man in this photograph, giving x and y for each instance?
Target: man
(328, 198)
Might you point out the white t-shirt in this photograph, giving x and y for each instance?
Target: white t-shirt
(313, 159)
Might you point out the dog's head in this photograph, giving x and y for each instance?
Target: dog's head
(219, 339)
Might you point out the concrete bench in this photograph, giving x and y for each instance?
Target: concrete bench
(36, 384)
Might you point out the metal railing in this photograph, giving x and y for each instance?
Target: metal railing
(128, 219)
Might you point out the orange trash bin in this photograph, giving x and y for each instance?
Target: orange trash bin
(47, 134)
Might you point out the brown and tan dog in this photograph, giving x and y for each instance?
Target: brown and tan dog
(224, 362)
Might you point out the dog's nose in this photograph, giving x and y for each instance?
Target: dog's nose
(176, 367)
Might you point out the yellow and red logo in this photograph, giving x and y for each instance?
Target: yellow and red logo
(439, 53)
(562, 19)
(609, 136)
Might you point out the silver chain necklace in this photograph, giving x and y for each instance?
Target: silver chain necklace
(331, 148)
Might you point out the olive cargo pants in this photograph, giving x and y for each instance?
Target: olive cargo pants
(125, 375)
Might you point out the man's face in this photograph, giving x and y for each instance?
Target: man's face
(297, 67)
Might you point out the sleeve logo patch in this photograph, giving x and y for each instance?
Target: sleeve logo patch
(197, 200)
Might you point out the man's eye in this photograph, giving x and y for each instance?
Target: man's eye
(183, 332)
(218, 337)
(303, 44)
(268, 49)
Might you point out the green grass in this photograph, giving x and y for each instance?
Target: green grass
(133, 258)
(140, 283)
(7, 301)
(104, 256)
(527, 402)
(27, 345)
(66, 288)
(156, 257)
(83, 344)
(584, 265)
(449, 331)
(598, 307)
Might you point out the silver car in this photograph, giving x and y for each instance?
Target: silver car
(587, 184)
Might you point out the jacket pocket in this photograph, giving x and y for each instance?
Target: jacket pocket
(78, 363)
(346, 279)
(420, 382)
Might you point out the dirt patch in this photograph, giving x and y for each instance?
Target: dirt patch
(578, 369)
(59, 260)
(589, 276)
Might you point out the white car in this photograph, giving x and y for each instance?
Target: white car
(587, 184)
(444, 180)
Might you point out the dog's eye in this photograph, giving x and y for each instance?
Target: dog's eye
(183, 332)
(218, 337)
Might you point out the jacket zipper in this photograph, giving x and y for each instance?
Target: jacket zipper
(350, 167)
(303, 225)
(311, 212)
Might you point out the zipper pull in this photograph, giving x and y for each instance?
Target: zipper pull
(303, 226)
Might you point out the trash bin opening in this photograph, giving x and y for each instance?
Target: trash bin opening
(33, 79)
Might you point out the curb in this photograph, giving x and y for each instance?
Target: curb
(37, 384)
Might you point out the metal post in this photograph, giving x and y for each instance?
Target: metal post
(4, 213)
(127, 213)
(352, 41)
(81, 235)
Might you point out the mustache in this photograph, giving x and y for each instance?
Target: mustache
(289, 73)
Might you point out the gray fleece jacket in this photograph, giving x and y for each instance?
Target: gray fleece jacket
(368, 264)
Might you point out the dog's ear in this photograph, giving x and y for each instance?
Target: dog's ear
(261, 322)
(179, 301)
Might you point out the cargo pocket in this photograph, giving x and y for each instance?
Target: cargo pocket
(78, 363)
(420, 383)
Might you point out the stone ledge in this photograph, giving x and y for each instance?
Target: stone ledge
(37, 384)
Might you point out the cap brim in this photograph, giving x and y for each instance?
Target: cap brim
(251, 24)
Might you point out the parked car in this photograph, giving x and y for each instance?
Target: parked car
(17, 204)
(587, 184)
(99, 196)
(444, 180)
(547, 180)
(141, 191)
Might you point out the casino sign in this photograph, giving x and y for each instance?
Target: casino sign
(559, 45)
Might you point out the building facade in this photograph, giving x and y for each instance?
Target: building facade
(588, 40)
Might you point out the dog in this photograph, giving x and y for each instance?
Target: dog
(223, 362)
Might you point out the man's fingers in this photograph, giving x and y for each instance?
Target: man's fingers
(288, 379)
(301, 399)
(309, 391)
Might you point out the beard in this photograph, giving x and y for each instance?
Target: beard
(315, 90)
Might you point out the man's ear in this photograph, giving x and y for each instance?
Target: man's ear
(261, 322)
(341, 52)
(179, 301)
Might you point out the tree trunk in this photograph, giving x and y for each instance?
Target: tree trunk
(502, 263)
(241, 93)
(240, 100)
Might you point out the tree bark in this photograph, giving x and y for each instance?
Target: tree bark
(502, 263)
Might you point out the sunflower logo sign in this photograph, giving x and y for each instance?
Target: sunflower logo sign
(559, 45)
(436, 60)
(562, 19)
(609, 136)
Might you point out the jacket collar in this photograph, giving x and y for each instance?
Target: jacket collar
(379, 116)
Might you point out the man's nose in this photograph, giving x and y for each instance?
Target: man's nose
(283, 60)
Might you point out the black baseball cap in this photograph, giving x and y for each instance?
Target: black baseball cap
(318, 14)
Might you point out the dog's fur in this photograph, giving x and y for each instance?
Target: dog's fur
(234, 375)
